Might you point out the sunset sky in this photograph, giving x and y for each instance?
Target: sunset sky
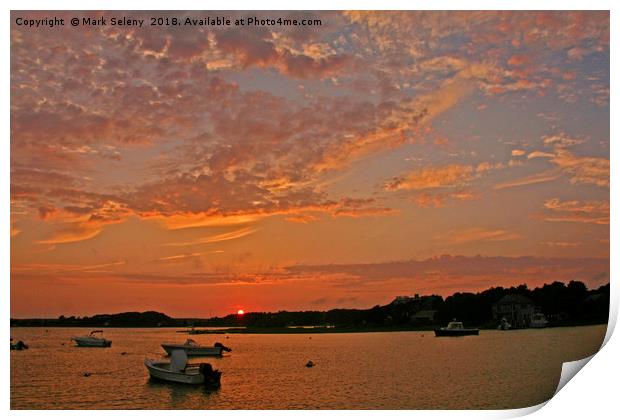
(200, 170)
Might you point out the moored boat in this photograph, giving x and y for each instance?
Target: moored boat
(504, 324)
(20, 345)
(192, 348)
(538, 320)
(94, 339)
(179, 371)
(455, 329)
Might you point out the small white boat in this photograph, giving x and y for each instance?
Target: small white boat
(455, 329)
(94, 339)
(538, 321)
(504, 324)
(178, 370)
(192, 348)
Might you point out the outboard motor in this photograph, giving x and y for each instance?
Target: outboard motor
(212, 377)
(224, 348)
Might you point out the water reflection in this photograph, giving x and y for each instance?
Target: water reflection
(180, 394)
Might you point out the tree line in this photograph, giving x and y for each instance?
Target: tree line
(563, 304)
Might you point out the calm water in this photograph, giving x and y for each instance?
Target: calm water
(395, 370)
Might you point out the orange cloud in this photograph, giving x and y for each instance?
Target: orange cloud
(437, 200)
(433, 177)
(529, 180)
(563, 244)
(454, 175)
(477, 234)
(583, 170)
(257, 47)
(518, 60)
(228, 236)
(458, 273)
(185, 257)
(73, 233)
(560, 140)
(74, 225)
(14, 231)
(580, 169)
(596, 212)
(60, 268)
(302, 218)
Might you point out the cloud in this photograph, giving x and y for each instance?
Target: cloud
(185, 257)
(209, 128)
(454, 175)
(538, 178)
(562, 244)
(258, 47)
(443, 274)
(198, 220)
(560, 140)
(447, 274)
(14, 231)
(518, 60)
(304, 218)
(60, 268)
(583, 170)
(596, 212)
(228, 236)
(72, 232)
(448, 176)
(75, 224)
(436, 200)
(538, 154)
(477, 234)
(579, 169)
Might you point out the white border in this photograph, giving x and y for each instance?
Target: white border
(592, 394)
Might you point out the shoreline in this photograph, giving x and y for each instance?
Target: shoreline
(306, 330)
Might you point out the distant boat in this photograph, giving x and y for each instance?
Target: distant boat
(94, 339)
(192, 348)
(20, 345)
(455, 329)
(178, 370)
(538, 321)
(504, 325)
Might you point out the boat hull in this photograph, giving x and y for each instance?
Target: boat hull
(194, 350)
(160, 370)
(89, 342)
(456, 333)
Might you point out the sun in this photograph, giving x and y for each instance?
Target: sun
(240, 312)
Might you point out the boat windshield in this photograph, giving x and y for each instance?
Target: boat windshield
(455, 326)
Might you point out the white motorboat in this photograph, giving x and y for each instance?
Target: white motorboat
(178, 370)
(455, 329)
(538, 320)
(192, 348)
(504, 324)
(94, 339)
